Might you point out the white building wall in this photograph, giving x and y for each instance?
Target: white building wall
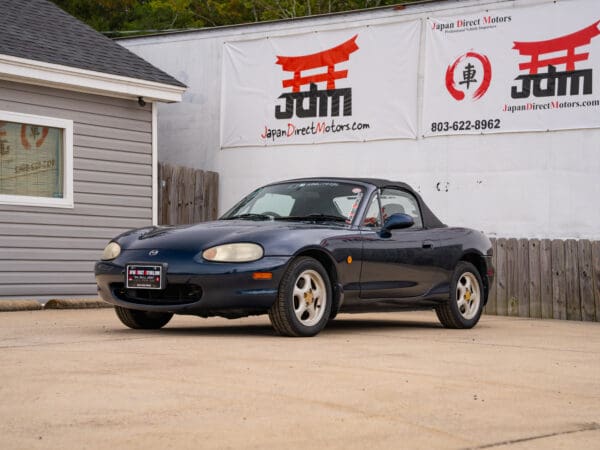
(509, 185)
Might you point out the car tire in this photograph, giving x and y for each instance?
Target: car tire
(465, 305)
(303, 304)
(142, 320)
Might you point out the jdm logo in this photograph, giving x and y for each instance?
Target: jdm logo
(560, 51)
(315, 102)
(470, 74)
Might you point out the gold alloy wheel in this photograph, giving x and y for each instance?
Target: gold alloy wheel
(310, 297)
(468, 295)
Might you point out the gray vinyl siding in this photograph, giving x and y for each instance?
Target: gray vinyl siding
(50, 252)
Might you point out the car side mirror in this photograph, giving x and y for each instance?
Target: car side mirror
(396, 222)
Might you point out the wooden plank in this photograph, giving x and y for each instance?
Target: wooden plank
(535, 273)
(523, 277)
(490, 307)
(181, 196)
(546, 278)
(181, 212)
(166, 192)
(198, 196)
(174, 196)
(189, 179)
(501, 278)
(572, 279)
(204, 189)
(596, 276)
(512, 267)
(559, 281)
(586, 282)
(164, 174)
(213, 192)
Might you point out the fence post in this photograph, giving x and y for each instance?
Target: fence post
(535, 276)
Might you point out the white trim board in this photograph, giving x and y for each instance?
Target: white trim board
(71, 78)
(154, 163)
(67, 126)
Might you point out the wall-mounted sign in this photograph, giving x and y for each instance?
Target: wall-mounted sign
(330, 86)
(521, 69)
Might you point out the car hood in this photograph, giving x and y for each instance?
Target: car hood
(276, 237)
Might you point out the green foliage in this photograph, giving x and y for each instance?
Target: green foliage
(116, 17)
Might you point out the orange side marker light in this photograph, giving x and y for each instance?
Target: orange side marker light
(262, 276)
(349, 259)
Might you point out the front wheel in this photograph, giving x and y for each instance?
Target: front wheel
(142, 320)
(303, 304)
(465, 305)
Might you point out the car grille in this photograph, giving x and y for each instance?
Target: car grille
(173, 294)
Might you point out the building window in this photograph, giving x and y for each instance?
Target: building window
(36, 160)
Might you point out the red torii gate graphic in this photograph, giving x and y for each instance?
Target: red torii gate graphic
(327, 58)
(567, 43)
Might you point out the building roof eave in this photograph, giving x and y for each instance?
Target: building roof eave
(71, 78)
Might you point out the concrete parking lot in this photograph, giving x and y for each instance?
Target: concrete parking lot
(78, 379)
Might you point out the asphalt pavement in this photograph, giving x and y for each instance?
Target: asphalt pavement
(76, 379)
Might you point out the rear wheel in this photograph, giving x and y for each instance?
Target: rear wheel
(303, 303)
(465, 304)
(142, 320)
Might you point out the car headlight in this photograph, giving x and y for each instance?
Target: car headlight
(242, 252)
(111, 251)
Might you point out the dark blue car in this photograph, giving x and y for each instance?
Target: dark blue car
(302, 251)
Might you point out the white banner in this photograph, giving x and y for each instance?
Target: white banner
(356, 84)
(522, 69)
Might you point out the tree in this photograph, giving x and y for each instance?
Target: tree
(126, 17)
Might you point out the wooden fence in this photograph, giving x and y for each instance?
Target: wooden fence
(545, 278)
(186, 195)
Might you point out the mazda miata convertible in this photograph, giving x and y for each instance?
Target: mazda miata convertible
(302, 251)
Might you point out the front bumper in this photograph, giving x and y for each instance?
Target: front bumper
(192, 286)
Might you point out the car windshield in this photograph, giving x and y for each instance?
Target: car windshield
(303, 200)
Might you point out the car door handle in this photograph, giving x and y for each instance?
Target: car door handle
(427, 244)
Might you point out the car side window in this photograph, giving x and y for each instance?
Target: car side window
(373, 215)
(396, 201)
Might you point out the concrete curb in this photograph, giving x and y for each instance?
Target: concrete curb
(55, 303)
(19, 305)
(76, 303)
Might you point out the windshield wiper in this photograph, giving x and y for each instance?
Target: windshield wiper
(250, 216)
(315, 217)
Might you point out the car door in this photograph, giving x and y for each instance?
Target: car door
(401, 263)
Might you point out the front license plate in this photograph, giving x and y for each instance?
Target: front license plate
(144, 276)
